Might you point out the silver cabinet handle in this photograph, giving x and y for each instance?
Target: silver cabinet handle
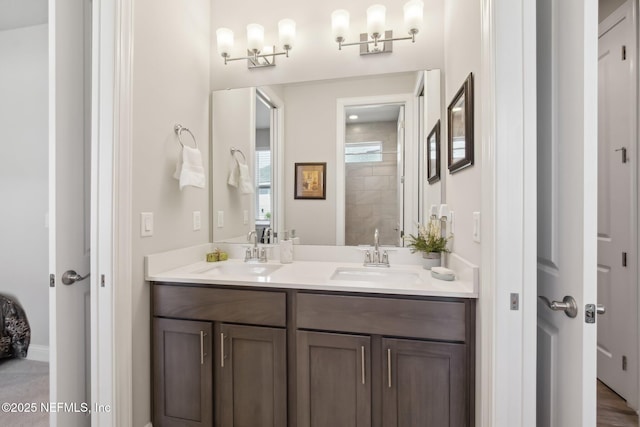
(389, 367)
(70, 277)
(222, 349)
(362, 362)
(202, 353)
(568, 305)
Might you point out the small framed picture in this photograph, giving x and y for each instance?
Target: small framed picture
(460, 128)
(433, 154)
(310, 181)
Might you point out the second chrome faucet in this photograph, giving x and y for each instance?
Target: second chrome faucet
(254, 254)
(375, 258)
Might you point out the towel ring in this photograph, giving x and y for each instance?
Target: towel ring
(235, 150)
(178, 129)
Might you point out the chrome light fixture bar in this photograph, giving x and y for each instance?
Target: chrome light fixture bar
(377, 39)
(258, 55)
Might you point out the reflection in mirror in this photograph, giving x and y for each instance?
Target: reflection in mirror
(304, 127)
(372, 173)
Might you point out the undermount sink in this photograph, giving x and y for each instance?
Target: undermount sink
(248, 269)
(373, 274)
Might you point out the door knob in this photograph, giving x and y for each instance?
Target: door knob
(568, 305)
(601, 309)
(70, 277)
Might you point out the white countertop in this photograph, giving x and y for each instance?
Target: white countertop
(401, 279)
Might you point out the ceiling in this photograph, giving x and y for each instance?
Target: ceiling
(373, 113)
(22, 13)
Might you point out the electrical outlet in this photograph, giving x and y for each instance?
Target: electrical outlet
(146, 224)
(197, 223)
(246, 217)
(452, 222)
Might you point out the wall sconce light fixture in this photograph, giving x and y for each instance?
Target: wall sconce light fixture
(258, 55)
(377, 39)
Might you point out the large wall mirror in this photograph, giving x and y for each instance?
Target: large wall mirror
(370, 131)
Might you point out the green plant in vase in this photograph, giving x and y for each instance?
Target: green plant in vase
(430, 242)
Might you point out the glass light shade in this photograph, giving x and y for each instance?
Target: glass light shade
(267, 50)
(287, 33)
(225, 40)
(413, 15)
(376, 19)
(340, 24)
(255, 37)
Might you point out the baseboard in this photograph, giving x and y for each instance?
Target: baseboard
(39, 353)
(148, 425)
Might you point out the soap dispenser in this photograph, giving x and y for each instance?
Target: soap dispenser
(286, 249)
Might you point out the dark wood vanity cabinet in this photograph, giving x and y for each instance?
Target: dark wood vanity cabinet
(182, 373)
(252, 376)
(232, 357)
(225, 365)
(334, 380)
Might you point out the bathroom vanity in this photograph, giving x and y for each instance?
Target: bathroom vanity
(236, 347)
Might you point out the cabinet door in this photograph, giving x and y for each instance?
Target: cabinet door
(424, 384)
(334, 380)
(183, 390)
(252, 376)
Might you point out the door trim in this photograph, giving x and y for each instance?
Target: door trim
(112, 351)
(507, 338)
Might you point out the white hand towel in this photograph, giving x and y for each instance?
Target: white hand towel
(245, 179)
(233, 175)
(189, 170)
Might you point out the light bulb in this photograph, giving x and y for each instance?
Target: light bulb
(287, 32)
(255, 37)
(225, 41)
(340, 24)
(376, 20)
(413, 16)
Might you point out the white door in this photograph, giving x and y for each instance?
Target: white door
(567, 200)
(400, 177)
(617, 343)
(69, 180)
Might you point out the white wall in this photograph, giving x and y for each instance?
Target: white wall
(24, 174)
(310, 136)
(315, 55)
(462, 56)
(170, 85)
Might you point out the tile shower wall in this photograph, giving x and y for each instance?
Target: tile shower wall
(371, 188)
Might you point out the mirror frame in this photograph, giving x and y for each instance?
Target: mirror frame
(433, 176)
(466, 93)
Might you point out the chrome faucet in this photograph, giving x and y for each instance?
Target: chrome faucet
(254, 254)
(375, 259)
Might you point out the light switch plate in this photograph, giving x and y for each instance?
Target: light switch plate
(245, 217)
(476, 227)
(197, 222)
(146, 224)
(220, 219)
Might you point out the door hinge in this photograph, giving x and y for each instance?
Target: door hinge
(624, 363)
(52, 280)
(402, 180)
(624, 259)
(624, 53)
(515, 301)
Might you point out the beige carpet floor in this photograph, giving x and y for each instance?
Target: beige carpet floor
(23, 381)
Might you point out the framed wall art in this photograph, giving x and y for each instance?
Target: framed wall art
(310, 181)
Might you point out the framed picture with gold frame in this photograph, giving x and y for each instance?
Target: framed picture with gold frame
(310, 181)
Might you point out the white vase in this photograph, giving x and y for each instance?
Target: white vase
(431, 259)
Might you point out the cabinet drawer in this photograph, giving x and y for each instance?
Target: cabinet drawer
(436, 320)
(223, 305)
